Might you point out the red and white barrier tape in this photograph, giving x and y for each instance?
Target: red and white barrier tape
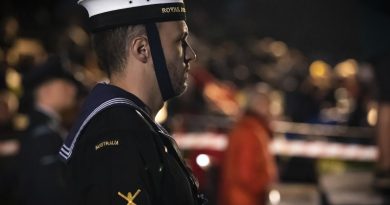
(280, 146)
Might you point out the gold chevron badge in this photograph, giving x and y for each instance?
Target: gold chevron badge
(130, 198)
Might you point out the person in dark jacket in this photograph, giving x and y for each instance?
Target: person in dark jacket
(116, 153)
(42, 175)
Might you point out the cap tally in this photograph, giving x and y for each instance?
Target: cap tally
(106, 14)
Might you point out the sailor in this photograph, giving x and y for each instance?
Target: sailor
(42, 174)
(116, 153)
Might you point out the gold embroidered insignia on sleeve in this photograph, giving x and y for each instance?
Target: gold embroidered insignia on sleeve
(130, 198)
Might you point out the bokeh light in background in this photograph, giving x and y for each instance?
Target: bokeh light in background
(25, 47)
(13, 79)
(203, 160)
(372, 116)
(347, 68)
(274, 197)
(319, 69)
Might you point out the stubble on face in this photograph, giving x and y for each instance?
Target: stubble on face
(179, 78)
(174, 40)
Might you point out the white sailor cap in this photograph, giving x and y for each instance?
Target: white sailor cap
(106, 14)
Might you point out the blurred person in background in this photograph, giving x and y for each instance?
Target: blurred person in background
(249, 167)
(376, 44)
(42, 179)
(9, 145)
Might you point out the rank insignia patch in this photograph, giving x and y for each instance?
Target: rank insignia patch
(129, 198)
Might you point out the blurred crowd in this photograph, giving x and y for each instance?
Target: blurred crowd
(299, 88)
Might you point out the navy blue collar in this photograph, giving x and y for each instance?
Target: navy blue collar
(101, 97)
(117, 90)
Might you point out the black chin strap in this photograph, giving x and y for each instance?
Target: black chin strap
(160, 65)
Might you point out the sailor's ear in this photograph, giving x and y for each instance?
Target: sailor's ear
(140, 49)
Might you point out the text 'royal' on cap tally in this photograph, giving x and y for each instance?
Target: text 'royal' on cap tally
(106, 14)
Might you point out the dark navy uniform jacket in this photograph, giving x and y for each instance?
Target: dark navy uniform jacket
(121, 156)
(41, 176)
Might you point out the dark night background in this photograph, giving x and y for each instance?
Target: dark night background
(331, 30)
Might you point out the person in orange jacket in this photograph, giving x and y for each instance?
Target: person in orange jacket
(249, 167)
